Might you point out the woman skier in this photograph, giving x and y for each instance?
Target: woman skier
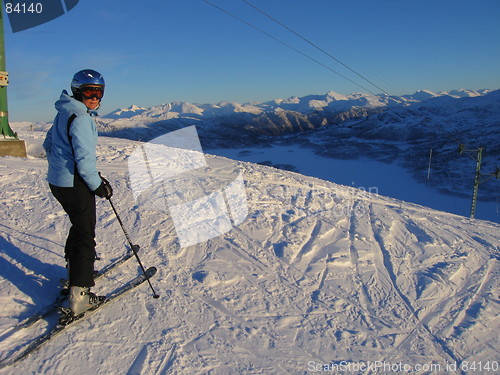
(74, 181)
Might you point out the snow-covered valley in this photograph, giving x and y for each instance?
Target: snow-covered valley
(411, 135)
(366, 174)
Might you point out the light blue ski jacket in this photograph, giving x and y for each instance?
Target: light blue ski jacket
(61, 156)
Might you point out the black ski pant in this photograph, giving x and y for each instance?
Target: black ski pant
(79, 203)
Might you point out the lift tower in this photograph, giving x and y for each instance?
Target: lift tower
(10, 144)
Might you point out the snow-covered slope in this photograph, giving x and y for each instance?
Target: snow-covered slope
(319, 275)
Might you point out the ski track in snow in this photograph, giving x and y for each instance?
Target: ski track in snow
(317, 274)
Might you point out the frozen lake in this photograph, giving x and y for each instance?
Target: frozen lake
(375, 177)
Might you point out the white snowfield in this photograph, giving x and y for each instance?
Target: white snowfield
(318, 278)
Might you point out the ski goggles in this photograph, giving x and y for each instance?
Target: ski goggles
(90, 92)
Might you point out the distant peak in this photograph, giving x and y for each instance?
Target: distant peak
(336, 96)
(462, 93)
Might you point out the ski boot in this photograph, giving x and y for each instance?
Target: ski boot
(82, 299)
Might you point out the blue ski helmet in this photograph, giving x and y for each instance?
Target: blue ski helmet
(86, 77)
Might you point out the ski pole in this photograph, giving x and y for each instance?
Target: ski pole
(133, 248)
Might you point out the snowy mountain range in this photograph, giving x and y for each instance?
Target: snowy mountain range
(319, 278)
(400, 130)
(330, 102)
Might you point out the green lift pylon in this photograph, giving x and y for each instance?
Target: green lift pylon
(10, 144)
(477, 176)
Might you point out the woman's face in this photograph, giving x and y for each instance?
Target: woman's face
(91, 96)
(92, 103)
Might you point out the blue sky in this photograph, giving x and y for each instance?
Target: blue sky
(157, 51)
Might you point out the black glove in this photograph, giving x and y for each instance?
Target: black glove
(104, 190)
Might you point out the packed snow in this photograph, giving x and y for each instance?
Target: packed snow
(320, 277)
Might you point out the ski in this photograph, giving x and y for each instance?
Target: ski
(58, 328)
(29, 321)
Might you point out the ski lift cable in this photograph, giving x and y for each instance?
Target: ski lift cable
(315, 46)
(448, 136)
(286, 44)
